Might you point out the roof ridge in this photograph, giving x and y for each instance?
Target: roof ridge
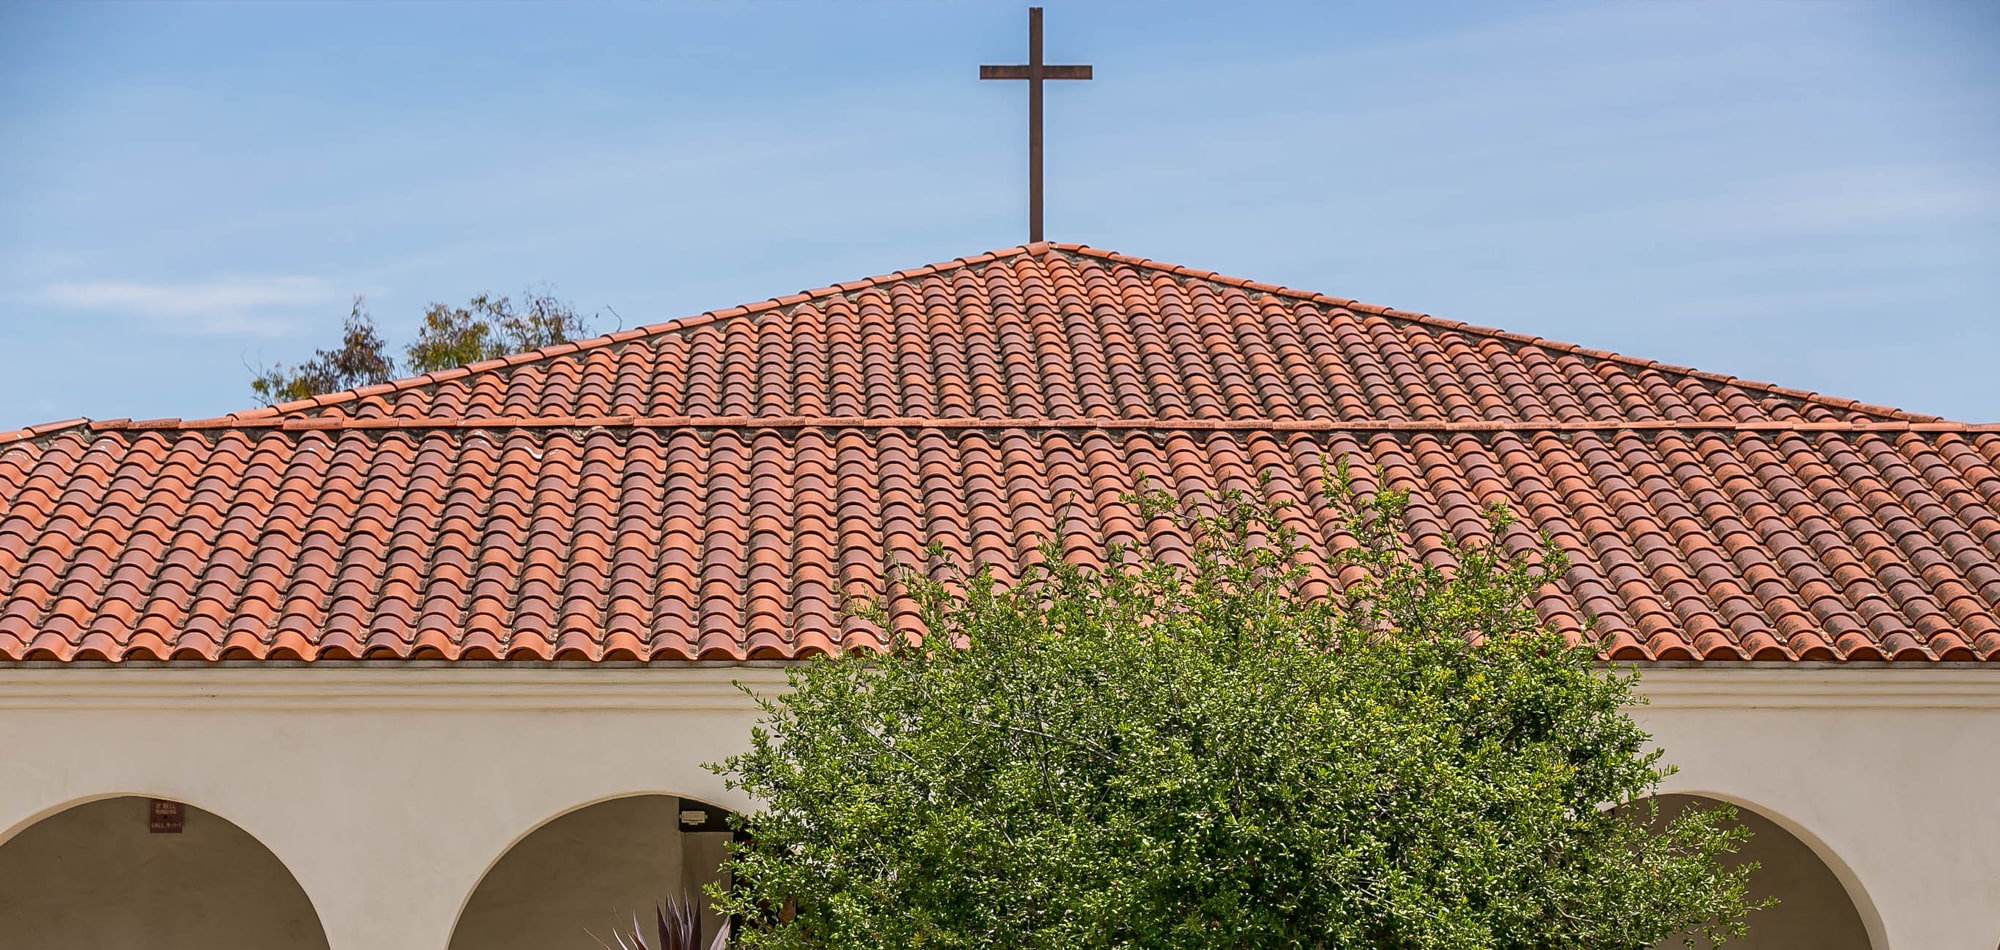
(27, 433)
(979, 423)
(274, 415)
(1832, 402)
(676, 324)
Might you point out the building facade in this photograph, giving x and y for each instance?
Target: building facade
(439, 663)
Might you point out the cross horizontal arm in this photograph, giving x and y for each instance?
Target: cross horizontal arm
(1021, 72)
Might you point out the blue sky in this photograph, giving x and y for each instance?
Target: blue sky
(1806, 193)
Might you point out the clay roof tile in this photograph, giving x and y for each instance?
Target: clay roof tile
(718, 486)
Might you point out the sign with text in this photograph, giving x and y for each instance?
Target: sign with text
(164, 818)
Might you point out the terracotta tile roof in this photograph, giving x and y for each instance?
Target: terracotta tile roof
(716, 487)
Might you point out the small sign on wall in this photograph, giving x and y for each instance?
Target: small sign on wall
(164, 817)
(703, 817)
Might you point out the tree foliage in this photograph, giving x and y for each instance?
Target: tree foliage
(362, 359)
(487, 327)
(490, 327)
(1201, 756)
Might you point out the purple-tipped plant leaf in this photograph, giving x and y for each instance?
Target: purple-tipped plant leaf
(677, 922)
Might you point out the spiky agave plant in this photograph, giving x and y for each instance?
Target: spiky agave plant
(678, 925)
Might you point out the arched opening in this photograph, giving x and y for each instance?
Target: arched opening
(1814, 909)
(574, 881)
(121, 872)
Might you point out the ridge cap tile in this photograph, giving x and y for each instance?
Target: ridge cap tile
(49, 428)
(498, 362)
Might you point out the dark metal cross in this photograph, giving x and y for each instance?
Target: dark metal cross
(1034, 73)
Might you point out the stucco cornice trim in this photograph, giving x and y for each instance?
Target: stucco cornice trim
(452, 688)
(555, 687)
(1829, 686)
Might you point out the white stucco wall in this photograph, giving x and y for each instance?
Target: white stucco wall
(390, 790)
(387, 791)
(1888, 773)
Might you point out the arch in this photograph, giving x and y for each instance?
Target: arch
(1818, 859)
(590, 868)
(92, 872)
(36, 817)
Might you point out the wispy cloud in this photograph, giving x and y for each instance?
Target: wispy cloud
(261, 306)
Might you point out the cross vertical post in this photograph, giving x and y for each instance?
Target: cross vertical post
(1034, 124)
(1034, 72)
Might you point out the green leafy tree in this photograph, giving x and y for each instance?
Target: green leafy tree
(490, 327)
(487, 327)
(362, 359)
(1202, 756)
